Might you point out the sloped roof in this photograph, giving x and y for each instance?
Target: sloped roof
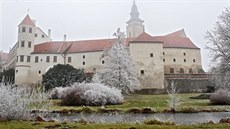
(3, 56)
(173, 40)
(144, 37)
(176, 39)
(74, 46)
(27, 21)
(179, 33)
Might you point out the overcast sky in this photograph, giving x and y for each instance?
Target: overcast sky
(95, 19)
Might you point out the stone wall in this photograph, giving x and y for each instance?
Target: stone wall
(189, 83)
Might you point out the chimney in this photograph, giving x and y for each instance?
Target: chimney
(65, 37)
(49, 33)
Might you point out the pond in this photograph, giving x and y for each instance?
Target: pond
(178, 118)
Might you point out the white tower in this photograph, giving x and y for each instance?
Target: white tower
(25, 45)
(135, 25)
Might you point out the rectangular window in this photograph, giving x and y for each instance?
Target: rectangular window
(151, 54)
(142, 72)
(23, 29)
(163, 53)
(36, 59)
(29, 44)
(35, 35)
(184, 60)
(184, 54)
(194, 60)
(28, 58)
(47, 58)
(190, 70)
(17, 59)
(174, 60)
(22, 43)
(181, 70)
(55, 59)
(103, 62)
(43, 35)
(83, 63)
(30, 30)
(21, 58)
(163, 60)
(69, 59)
(171, 70)
(83, 56)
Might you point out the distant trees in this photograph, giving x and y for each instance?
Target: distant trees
(7, 76)
(62, 76)
(119, 68)
(218, 40)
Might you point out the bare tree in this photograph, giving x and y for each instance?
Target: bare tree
(218, 40)
(174, 99)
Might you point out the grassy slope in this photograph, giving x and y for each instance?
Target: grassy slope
(42, 125)
(158, 102)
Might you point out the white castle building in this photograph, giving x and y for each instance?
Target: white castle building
(154, 56)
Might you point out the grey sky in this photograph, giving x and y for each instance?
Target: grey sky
(89, 19)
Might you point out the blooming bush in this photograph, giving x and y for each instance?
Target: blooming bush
(91, 94)
(221, 97)
(16, 103)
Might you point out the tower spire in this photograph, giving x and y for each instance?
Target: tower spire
(135, 25)
(134, 14)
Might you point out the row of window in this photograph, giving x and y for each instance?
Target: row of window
(36, 59)
(183, 53)
(28, 44)
(47, 59)
(36, 35)
(23, 29)
(174, 60)
(171, 70)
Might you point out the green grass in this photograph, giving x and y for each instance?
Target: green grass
(158, 102)
(42, 125)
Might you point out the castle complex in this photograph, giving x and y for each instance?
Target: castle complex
(155, 56)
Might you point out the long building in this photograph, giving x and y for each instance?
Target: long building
(154, 56)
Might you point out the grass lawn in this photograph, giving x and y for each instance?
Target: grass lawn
(158, 102)
(53, 125)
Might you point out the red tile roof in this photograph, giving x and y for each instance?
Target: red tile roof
(3, 56)
(27, 21)
(73, 46)
(144, 37)
(176, 42)
(173, 40)
(176, 39)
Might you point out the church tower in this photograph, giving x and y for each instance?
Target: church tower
(25, 45)
(135, 25)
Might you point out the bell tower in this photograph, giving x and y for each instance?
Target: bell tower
(25, 45)
(135, 25)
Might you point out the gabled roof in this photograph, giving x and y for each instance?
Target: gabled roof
(144, 37)
(179, 33)
(176, 39)
(27, 21)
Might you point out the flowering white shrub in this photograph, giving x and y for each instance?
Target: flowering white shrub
(91, 94)
(221, 97)
(16, 103)
(58, 92)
